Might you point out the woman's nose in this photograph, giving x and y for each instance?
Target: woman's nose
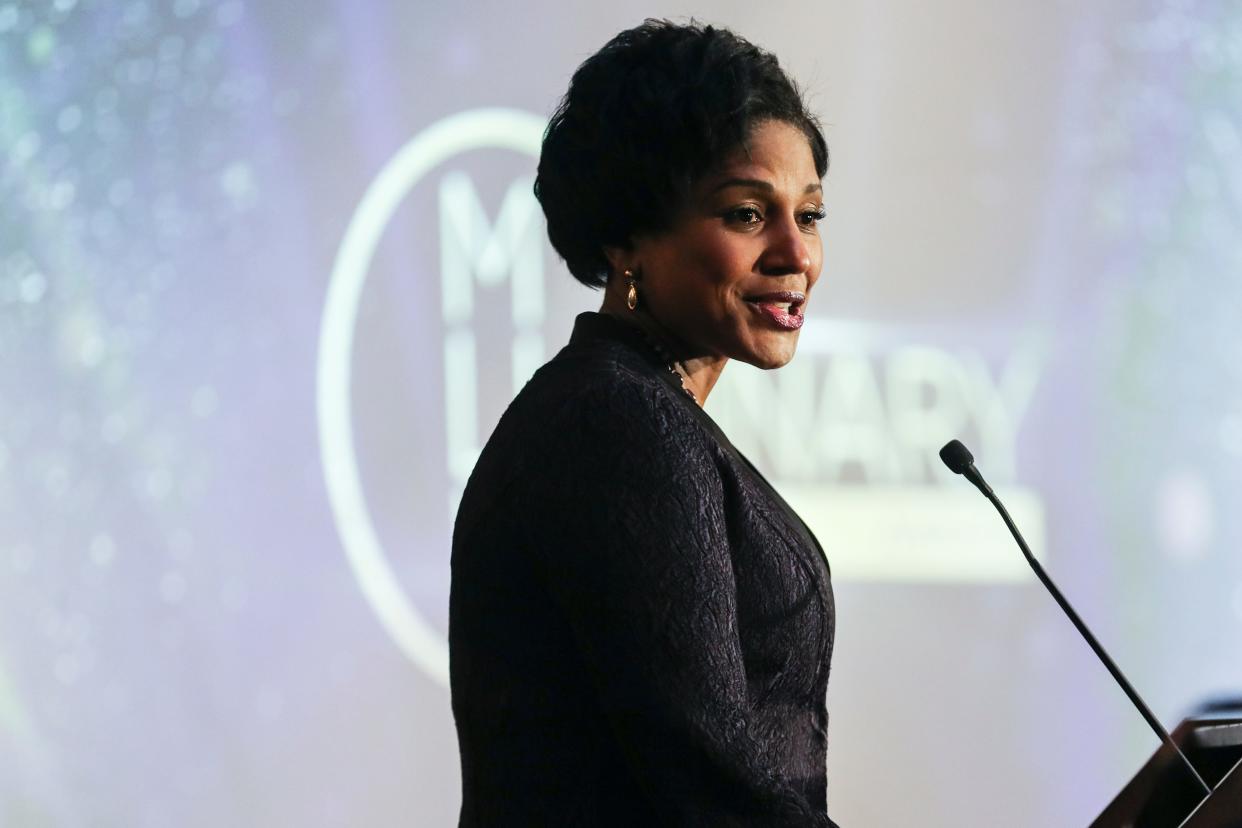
(787, 250)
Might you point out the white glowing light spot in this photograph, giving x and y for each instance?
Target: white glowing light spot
(91, 348)
(80, 339)
(69, 119)
(158, 484)
(24, 148)
(113, 429)
(32, 287)
(172, 587)
(1184, 515)
(68, 668)
(1230, 434)
(229, 13)
(172, 48)
(61, 194)
(56, 481)
(204, 402)
(237, 182)
(136, 13)
(140, 71)
(1221, 132)
(477, 129)
(120, 192)
(40, 44)
(102, 549)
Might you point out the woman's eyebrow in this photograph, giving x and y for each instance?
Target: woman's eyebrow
(759, 184)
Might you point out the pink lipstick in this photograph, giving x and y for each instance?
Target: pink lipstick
(782, 307)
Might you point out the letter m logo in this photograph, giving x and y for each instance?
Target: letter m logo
(475, 252)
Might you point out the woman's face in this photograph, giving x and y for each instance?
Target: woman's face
(733, 276)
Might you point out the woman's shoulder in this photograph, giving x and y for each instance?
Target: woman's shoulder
(600, 403)
(584, 389)
(606, 362)
(591, 401)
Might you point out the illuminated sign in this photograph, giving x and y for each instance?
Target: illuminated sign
(470, 248)
(850, 431)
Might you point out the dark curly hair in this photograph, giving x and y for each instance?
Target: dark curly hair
(645, 117)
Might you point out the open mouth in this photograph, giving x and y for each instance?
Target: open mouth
(781, 307)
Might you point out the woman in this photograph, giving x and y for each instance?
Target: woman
(639, 627)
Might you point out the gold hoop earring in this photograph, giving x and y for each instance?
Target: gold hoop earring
(631, 293)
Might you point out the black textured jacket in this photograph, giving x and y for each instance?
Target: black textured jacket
(639, 627)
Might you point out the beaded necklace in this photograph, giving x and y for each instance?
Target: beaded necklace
(670, 364)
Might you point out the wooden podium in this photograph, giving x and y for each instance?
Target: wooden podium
(1164, 795)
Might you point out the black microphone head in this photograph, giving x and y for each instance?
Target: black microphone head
(956, 456)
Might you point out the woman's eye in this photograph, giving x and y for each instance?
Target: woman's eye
(745, 215)
(810, 217)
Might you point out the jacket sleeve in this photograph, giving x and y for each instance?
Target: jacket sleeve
(633, 546)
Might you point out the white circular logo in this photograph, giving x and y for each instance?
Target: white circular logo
(476, 129)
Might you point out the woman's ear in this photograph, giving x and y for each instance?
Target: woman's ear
(620, 259)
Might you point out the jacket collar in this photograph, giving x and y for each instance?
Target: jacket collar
(593, 327)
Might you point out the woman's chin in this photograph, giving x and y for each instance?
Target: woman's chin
(769, 355)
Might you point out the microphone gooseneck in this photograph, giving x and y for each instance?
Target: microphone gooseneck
(960, 461)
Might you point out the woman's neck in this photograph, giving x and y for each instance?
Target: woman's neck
(698, 373)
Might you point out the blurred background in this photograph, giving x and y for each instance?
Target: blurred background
(270, 272)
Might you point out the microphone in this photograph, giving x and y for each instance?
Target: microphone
(960, 461)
